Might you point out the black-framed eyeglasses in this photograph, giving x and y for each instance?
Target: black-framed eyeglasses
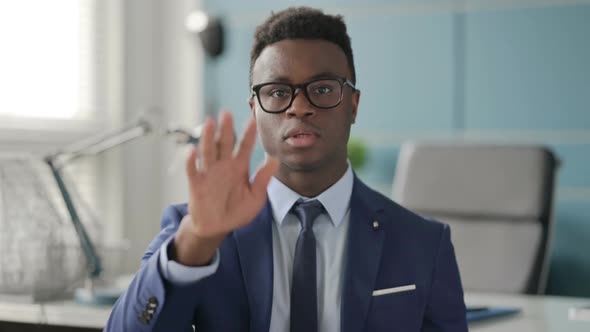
(324, 93)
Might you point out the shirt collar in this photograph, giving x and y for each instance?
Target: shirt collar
(282, 198)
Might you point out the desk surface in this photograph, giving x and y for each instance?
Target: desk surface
(64, 313)
(539, 313)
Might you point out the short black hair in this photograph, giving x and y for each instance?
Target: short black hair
(302, 23)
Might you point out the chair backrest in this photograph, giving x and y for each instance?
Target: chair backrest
(498, 201)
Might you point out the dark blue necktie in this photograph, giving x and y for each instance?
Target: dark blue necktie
(304, 305)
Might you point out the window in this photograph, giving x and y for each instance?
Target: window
(60, 82)
(41, 58)
(53, 67)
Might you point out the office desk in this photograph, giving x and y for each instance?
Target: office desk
(539, 313)
(51, 314)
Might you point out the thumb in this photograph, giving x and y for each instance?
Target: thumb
(263, 175)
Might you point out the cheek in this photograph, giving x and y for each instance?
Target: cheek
(267, 130)
(340, 126)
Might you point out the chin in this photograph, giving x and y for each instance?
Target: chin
(302, 164)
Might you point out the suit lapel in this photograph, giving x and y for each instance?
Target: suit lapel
(362, 259)
(254, 244)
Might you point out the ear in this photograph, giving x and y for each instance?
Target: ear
(252, 104)
(356, 95)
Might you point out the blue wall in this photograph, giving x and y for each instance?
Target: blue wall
(512, 74)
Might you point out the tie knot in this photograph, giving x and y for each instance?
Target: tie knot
(307, 212)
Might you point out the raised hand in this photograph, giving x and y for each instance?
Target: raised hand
(221, 196)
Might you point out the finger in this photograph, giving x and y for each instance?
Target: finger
(226, 139)
(191, 163)
(191, 168)
(263, 176)
(207, 146)
(247, 142)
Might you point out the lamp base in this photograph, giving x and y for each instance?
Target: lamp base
(100, 292)
(99, 296)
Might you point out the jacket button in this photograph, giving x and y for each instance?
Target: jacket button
(147, 316)
(142, 318)
(153, 302)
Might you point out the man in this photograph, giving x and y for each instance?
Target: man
(304, 245)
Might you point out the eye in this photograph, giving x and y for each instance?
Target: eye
(322, 89)
(278, 93)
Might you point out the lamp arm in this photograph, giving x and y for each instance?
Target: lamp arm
(92, 146)
(100, 143)
(92, 258)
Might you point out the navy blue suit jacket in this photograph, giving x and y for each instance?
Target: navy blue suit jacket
(405, 249)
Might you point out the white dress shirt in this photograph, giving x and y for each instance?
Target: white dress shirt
(330, 229)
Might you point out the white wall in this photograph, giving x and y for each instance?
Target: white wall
(162, 69)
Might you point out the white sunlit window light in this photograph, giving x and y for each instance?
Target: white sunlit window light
(41, 71)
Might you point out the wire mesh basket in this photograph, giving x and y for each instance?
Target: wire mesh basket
(41, 257)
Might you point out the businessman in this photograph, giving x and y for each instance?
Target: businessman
(303, 245)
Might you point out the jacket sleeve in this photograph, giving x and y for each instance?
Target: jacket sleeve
(445, 310)
(151, 303)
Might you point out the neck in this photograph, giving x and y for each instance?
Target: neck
(311, 183)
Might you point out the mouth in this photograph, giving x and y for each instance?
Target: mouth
(301, 138)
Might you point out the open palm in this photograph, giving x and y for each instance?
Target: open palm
(222, 197)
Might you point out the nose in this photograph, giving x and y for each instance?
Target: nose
(300, 107)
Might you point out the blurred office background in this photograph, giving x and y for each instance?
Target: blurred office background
(495, 71)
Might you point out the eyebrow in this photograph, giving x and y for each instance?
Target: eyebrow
(325, 74)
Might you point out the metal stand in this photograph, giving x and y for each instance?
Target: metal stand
(93, 293)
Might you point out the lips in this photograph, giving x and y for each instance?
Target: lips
(301, 138)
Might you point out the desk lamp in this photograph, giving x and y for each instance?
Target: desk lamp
(92, 293)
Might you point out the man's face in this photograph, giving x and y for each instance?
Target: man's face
(304, 137)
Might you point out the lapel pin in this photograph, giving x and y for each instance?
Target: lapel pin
(375, 225)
